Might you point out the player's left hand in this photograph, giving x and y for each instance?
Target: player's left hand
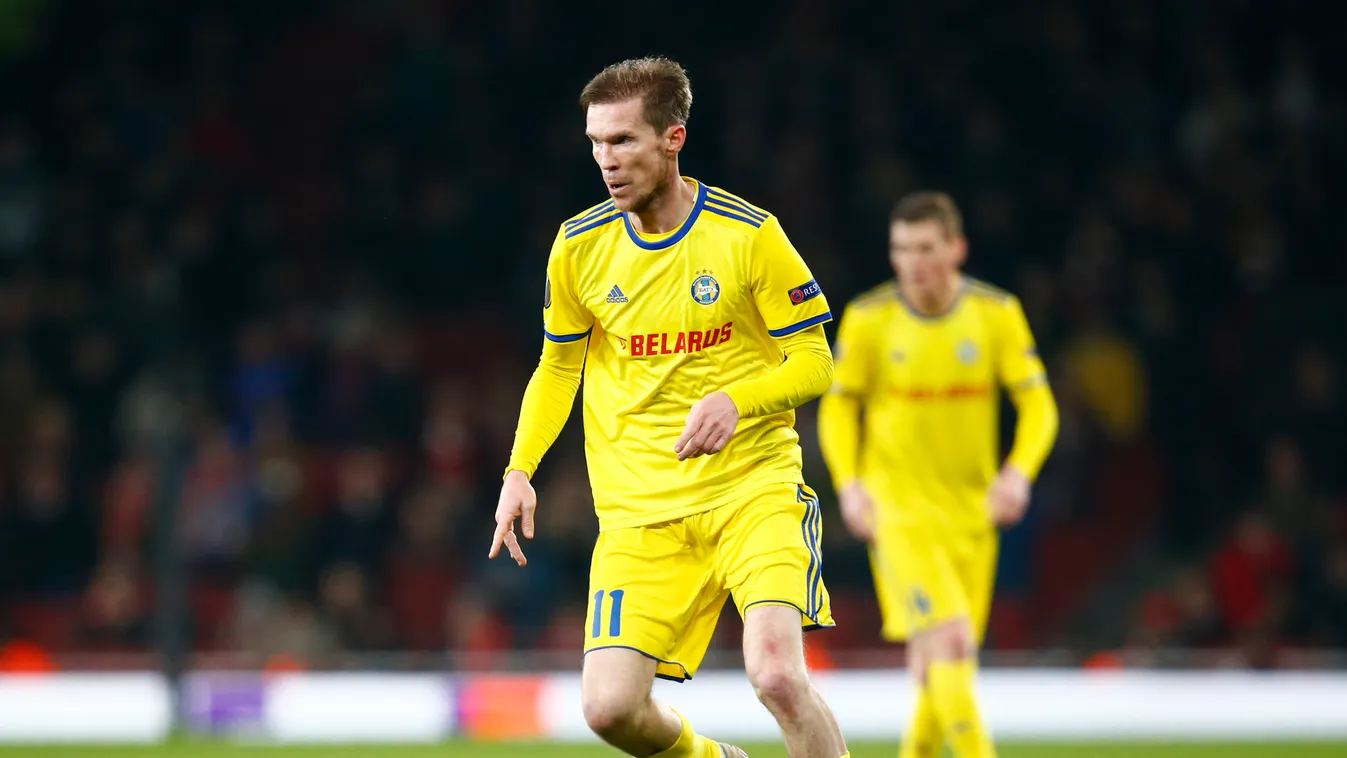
(1008, 497)
(711, 423)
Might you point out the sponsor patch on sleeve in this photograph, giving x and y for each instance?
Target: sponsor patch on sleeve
(807, 291)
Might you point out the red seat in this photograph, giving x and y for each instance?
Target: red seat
(212, 608)
(417, 590)
(49, 623)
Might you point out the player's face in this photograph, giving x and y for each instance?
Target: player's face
(637, 162)
(924, 256)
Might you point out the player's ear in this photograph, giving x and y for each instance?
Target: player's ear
(675, 137)
(960, 250)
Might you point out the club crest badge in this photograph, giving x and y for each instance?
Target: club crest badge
(705, 289)
(967, 351)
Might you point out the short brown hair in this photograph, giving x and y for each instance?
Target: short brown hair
(661, 84)
(929, 205)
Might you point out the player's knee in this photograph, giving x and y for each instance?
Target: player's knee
(954, 642)
(610, 713)
(780, 683)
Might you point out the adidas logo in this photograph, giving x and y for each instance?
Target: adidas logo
(615, 295)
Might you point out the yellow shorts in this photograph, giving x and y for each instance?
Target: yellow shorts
(659, 589)
(925, 578)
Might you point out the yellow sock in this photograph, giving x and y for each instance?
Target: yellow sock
(690, 744)
(950, 684)
(922, 738)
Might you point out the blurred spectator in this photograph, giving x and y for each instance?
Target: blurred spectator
(22, 197)
(347, 609)
(1183, 615)
(116, 611)
(51, 533)
(421, 573)
(218, 506)
(1252, 572)
(359, 523)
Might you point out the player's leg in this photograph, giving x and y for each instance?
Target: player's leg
(774, 661)
(951, 672)
(615, 697)
(923, 737)
(946, 606)
(650, 614)
(890, 558)
(769, 556)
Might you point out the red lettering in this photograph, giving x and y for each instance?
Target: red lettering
(725, 331)
(650, 343)
(712, 337)
(664, 344)
(681, 346)
(637, 344)
(694, 341)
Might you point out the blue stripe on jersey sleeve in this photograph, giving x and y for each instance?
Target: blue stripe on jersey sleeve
(592, 225)
(722, 212)
(731, 201)
(599, 211)
(566, 337)
(786, 331)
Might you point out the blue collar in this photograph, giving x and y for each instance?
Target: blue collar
(672, 239)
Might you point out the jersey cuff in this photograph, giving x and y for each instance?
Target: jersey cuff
(786, 331)
(1033, 381)
(567, 337)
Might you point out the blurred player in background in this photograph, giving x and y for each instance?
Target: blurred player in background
(923, 359)
(698, 330)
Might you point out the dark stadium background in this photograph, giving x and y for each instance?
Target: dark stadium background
(270, 279)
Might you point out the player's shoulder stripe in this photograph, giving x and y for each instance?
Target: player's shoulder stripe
(589, 214)
(600, 215)
(989, 291)
(716, 197)
(880, 294)
(736, 214)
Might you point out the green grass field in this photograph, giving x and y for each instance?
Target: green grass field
(471, 750)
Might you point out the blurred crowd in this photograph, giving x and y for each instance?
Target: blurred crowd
(270, 278)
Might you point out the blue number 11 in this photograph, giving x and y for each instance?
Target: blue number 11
(614, 621)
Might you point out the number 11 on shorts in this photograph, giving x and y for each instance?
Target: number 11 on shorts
(614, 621)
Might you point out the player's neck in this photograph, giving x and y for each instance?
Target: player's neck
(937, 301)
(668, 209)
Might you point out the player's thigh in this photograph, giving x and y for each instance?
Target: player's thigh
(768, 552)
(925, 580)
(976, 565)
(652, 590)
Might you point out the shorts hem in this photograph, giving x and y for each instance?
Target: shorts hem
(667, 677)
(930, 624)
(814, 624)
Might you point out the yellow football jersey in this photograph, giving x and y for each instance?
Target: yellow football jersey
(930, 387)
(669, 320)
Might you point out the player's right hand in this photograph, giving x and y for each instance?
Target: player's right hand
(517, 501)
(858, 511)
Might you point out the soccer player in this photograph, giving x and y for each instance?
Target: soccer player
(697, 329)
(923, 359)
